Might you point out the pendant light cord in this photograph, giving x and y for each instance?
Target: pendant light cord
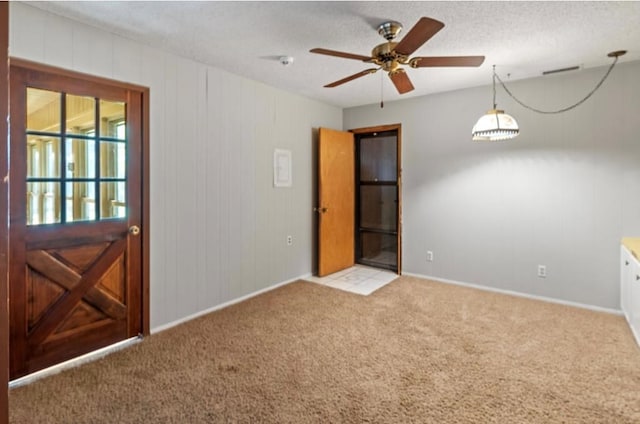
(495, 105)
(548, 112)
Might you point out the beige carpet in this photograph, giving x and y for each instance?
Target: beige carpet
(413, 352)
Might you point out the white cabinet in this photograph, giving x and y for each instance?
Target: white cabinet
(630, 290)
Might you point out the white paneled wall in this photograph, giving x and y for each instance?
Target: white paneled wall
(218, 226)
(562, 194)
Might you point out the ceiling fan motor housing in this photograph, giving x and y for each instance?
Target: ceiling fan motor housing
(385, 56)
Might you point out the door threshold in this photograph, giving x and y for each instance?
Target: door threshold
(75, 362)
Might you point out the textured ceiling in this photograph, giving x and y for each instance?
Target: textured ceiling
(246, 38)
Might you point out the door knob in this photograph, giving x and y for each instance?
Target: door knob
(320, 210)
(134, 230)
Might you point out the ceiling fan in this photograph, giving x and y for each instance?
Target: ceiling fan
(390, 56)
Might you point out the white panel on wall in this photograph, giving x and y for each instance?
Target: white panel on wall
(58, 38)
(215, 268)
(187, 181)
(167, 190)
(153, 67)
(27, 41)
(202, 169)
(127, 57)
(92, 51)
(218, 226)
(558, 195)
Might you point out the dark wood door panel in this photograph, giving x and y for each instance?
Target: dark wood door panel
(74, 298)
(77, 290)
(79, 234)
(64, 347)
(49, 278)
(76, 281)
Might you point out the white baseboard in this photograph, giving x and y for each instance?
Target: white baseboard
(636, 334)
(518, 294)
(72, 363)
(171, 324)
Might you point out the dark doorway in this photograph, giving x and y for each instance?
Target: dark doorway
(378, 198)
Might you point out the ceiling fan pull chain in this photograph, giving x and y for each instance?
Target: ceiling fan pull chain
(381, 91)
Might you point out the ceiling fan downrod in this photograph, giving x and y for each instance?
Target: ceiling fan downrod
(389, 29)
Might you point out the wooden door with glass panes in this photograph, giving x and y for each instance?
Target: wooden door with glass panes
(75, 216)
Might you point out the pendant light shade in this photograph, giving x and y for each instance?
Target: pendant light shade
(495, 126)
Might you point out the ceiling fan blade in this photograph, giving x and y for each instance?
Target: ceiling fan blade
(341, 54)
(401, 80)
(434, 61)
(352, 77)
(418, 35)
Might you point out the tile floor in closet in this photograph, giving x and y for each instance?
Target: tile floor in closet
(358, 279)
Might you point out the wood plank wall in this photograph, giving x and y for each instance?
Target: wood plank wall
(218, 226)
(4, 317)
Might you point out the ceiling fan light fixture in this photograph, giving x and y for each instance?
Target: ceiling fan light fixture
(495, 125)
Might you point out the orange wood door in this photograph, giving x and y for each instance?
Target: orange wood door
(336, 201)
(75, 217)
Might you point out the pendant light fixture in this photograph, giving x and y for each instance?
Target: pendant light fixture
(495, 125)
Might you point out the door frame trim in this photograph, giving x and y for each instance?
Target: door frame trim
(391, 127)
(4, 212)
(145, 179)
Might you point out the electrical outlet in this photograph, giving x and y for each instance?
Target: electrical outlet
(542, 271)
(429, 256)
(289, 240)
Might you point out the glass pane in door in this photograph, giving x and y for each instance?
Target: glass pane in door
(43, 110)
(112, 159)
(378, 207)
(379, 249)
(81, 115)
(80, 203)
(43, 203)
(378, 159)
(112, 119)
(76, 154)
(43, 157)
(113, 200)
(80, 160)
